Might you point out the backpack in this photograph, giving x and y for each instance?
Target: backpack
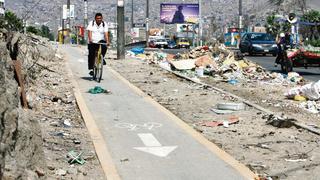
(102, 23)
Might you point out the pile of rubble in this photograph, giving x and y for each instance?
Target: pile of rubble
(225, 66)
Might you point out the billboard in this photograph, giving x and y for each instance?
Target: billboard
(179, 13)
(185, 28)
(66, 14)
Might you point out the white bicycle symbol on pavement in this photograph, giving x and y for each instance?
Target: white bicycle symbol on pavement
(133, 127)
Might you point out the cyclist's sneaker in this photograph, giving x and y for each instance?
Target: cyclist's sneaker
(104, 62)
(91, 73)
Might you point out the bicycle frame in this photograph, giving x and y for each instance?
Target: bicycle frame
(98, 64)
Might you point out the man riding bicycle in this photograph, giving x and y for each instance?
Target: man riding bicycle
(97, 33)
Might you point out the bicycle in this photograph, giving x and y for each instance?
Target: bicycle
(98, 63)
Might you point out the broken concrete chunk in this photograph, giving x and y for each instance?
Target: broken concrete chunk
(231, 106)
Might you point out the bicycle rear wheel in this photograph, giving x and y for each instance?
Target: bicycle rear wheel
(100, 69)
(98, 66)
(95, 67)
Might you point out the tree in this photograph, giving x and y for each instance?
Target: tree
(274, 27)
(33, 30)
(11, 22)
(311, 32)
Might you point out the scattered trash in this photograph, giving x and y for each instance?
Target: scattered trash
(311, 106)
(219, 111)
(199, 71)
(137, 50)
(184, 64)
(232, 120)
(310, 91)
(295, 160)
(233, 81)
(124, 160)
(98, 90)
(294, 77)
(67, 123)
(280, 122)
(299, 98)
(76, 141)
(74, 157)
(231, 106)
(165, 65)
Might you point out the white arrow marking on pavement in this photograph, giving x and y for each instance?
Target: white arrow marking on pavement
(81, 60)
(153, 146)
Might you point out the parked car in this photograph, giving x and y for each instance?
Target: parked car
(258, 43)
(152, 44)
(161, 43)
(172, 44)
(183, 43)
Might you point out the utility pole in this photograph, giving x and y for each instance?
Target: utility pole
(147, 23)
(240, 16)
(68, 14)
(67, 39)
(85, 20)
(131, 13)
(200, 22)
(120, 30)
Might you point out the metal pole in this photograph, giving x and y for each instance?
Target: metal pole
(147, 23)
(85, 19)
(240, 16)
(200, 22)
(62, 31)
(68, 14)
(131, 13)
(120, 30)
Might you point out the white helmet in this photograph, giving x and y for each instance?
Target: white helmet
(282, 34)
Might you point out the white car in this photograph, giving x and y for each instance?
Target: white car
(161, 43)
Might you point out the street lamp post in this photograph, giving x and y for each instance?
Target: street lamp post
(85, 18)
(147, 23)
(240, 16)
(200, 23)
(131, 13)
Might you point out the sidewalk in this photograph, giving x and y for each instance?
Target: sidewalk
(143, 139)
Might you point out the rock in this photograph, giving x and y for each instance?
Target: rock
(31, 175)
(50, 167)
(61, 172)
(72, 171)
(40, 171)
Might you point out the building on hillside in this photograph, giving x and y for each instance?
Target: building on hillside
(2, 7)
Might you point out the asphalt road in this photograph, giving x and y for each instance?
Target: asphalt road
(267, 62)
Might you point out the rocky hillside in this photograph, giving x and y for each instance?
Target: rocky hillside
(21, 153)
(49, 12)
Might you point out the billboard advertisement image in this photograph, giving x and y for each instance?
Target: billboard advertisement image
(179, 13)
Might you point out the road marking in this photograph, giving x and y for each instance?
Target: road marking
(133, 127)
(81, 60)
(153, 146)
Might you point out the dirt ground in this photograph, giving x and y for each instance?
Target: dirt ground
(279, 153)
(53, 105)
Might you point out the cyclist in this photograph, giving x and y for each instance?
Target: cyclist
(97, 33)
